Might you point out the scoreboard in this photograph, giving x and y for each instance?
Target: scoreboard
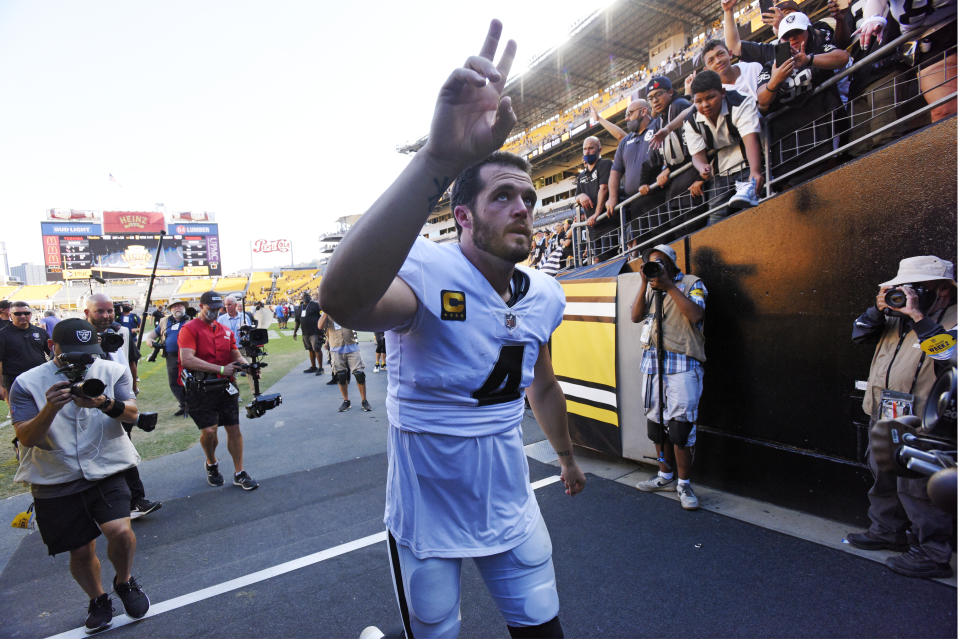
(125, 246)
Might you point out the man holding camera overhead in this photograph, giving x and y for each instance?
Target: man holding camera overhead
(672, 429)
(914, 322)
(74, 458)
(118, 345)
(209, 358)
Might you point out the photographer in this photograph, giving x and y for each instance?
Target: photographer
(684, 298)
(209, 358)
(74, 459)
(909, 315)
(118, 345)
(164, 338)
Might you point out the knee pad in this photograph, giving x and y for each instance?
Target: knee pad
(343, 377)
(433, 598)
(549, 629)
(679, 431)
(360, 377)
(655, 431)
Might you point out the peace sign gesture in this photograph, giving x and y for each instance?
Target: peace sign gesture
(471, 119)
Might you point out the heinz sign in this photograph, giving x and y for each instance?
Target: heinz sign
(132, 222)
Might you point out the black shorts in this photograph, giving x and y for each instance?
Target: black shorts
(312, 342)
(381, 345)
(213, 408)
(70, 522)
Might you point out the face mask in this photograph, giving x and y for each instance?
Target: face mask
(212, 314)
(590, 158)
(633, 125)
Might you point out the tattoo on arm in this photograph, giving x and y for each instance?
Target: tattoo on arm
(564, 454)
(441, 186)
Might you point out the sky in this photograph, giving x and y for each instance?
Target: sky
(278, 116)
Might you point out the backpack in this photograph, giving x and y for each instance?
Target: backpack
(674, 149)
(708, 134)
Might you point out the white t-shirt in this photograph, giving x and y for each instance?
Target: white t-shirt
(747, 80)
(458, 482)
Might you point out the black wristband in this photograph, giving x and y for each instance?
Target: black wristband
(116, 409)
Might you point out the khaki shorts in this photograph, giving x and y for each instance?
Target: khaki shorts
(346, 361)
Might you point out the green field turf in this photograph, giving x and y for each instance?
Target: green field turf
(172, 434)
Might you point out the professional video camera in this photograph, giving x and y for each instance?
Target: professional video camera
(916, 447)
(251, 345)
(74, 366)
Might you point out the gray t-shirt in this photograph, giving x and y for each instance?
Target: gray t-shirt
(23, 407)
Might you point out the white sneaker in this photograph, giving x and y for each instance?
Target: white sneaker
(656, 483)
(371, 632)
(688, 499)
(745, 196)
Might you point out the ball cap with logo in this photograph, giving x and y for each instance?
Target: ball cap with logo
(212, 299)
(920, 269)
(659, 82)
(796, 21)
(76, 334)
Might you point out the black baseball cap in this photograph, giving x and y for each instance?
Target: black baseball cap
(76, 334)
(212, 299)
(659, 82)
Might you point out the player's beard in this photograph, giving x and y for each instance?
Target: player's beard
(485, 237)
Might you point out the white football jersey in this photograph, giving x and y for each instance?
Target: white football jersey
(461, 365)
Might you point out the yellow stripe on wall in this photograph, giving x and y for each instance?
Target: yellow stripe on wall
(582, 289)
(585, 351)
(589, 411)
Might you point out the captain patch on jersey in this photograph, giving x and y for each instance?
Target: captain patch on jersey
(453, 305)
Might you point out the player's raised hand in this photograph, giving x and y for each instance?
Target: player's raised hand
(471, 119)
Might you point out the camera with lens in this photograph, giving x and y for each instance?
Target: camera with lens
(653, 268)
(897, 298)
(74, 367)
(924, 446)
(110, 340)
(261, 404)
(251, 341)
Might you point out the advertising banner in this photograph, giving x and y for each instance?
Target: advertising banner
(132, 222)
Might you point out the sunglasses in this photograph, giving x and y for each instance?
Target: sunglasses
(23, 313)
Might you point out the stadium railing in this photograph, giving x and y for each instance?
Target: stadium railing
(675, 218)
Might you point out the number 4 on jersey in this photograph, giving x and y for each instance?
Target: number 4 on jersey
(503, 383)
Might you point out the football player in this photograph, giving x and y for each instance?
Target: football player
(467, 333)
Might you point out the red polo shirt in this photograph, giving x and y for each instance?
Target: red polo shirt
(211, 343)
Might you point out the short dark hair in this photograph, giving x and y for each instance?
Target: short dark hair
(4, 304)
(19, 303)
(468, 184)
(706, 81)
(710, 46)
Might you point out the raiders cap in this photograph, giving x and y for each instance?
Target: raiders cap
(212, 299)
(76, 334)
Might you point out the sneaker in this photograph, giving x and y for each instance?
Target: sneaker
(376, 368)
(745, 196)
(310, 370)
(873, 542)
(99, 613)
(244, 481)
(182, 413)
(915, 564)
(371, 632)
(365, 406)
(656, 483)
(135, 601)
(345, 405)
(214, 479)
(319, 372)
(142, 507)
(688, 499)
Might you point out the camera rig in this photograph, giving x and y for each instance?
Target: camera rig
(251, 341)
(74, 365)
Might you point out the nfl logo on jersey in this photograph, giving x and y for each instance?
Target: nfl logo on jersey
(453, 305)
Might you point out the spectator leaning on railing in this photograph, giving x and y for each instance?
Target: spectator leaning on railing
(592, 192)
(728, 123)
(804, 130)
